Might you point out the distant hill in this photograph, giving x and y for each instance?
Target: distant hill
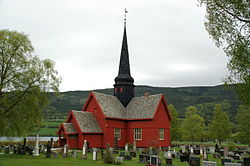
(180, 97)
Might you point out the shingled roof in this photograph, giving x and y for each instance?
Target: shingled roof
(87, 122)
(138, 108)
(69, 128)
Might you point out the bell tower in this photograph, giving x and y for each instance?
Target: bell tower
(124, 83)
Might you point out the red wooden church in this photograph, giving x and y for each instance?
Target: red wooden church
(145, 119)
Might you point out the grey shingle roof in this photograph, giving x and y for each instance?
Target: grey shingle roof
(87, 121)
(69, 128)
(138, 108)
(110, 105)
(143, 107)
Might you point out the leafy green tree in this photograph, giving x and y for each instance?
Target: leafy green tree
(193, 125)
(175, 123)
(228, 23)
(24, 79)
(220, 127)
(243, 119)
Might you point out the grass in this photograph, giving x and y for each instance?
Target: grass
(26, 160)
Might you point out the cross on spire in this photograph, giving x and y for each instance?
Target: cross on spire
(125, 16)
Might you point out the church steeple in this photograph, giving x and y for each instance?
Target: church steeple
(124, 83)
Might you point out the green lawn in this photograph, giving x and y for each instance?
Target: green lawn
(26, 160)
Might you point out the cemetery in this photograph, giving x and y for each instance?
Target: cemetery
(38, 153)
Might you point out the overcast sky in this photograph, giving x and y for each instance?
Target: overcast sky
(167, 40)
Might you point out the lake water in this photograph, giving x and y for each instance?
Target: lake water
(31, 138)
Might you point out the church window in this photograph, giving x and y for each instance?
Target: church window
(117, 133)
(121, 89)
(115, 89)
(72, 136)
(138, 134)
(161, 134)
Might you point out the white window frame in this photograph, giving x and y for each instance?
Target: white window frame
(161, 134)
(137, 134)
(117, 133)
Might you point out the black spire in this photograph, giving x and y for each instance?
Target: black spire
(124, 83)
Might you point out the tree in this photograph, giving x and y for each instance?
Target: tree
(243, 117)
(24, 79)
(228, 23)
(175, 123)
(220, 127)
(193, 125)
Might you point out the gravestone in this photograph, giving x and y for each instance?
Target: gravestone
(154, 160)
(226, 151)
(246, 161)
(194, 161)
(183, 149)
(126, 147)
(118, 160)
(65, 151)
(7, 150)
(133, 154)
(211, 150)
(209, 163)
(115, 143)
(54, 155)
(169, 162)
(192, 150)
(205, 156)
(23, 150)
(48, 153)
(134, 146)
(84, 148)
(94, 154)
(122, 154)
(36, 150)
(224, 160)
(74, 154)
(127, 157)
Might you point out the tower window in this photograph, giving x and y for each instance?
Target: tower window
(138, 134)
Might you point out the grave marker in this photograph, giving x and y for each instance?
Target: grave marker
(36, 150)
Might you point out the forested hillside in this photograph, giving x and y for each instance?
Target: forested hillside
(204, 98)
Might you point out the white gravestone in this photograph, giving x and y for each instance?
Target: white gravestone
(126, 147)
(94, 154)
(84, 148)
(36, 150)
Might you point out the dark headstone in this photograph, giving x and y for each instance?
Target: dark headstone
(122, 154)
(228, 160)
(197, 151)
(54, 155)
(115, 143)
(115, 151)
(127, 157)
(169, 162)
(246, 161)
(194, 161)
(133, 154)
(48, 153)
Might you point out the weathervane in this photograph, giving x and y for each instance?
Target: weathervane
(125, 16)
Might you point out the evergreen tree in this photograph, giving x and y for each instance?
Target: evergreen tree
(193, 125)
(175, 123)
(220, 127)
(243, 119)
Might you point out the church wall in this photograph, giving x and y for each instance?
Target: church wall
(109, 133)
(150, 129)
(72, 141)
(95, 140)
